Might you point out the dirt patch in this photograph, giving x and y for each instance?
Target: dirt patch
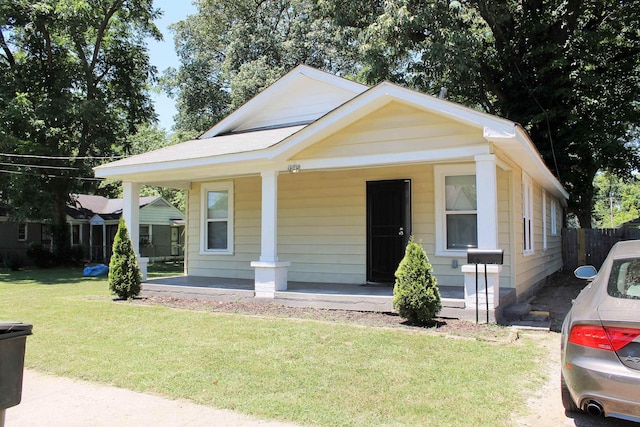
(372, 319)
(557, 296)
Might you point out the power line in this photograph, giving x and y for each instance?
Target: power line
(34, 156)
(80, 178)
(39, 166)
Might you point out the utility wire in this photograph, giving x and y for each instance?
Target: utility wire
(33, 156)
(80, 178)
(38, 166)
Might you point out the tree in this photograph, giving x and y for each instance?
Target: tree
(124, 274)
(616, 201)
(416, 296)
(232, 49)
(148, 138)
(74, 83)
(567, 70)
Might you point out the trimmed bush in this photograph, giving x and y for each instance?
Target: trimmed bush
(416, 296)
(124, 274)
(13, 261)
(42, 257)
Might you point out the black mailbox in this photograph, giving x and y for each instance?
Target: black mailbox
(485, 256)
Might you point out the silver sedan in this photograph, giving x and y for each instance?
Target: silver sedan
(601, 338)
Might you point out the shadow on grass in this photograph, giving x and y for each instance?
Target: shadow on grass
(49, 276)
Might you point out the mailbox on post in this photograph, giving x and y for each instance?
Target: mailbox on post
(484, 256)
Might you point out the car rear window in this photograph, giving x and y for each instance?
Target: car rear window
(624, 280)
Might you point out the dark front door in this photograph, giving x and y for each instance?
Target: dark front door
(388, 227)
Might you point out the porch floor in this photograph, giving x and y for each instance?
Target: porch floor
(364, 297)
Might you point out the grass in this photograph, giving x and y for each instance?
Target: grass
(307, 372)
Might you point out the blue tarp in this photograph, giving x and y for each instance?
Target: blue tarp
(95, 270)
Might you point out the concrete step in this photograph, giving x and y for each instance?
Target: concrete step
(533, 320)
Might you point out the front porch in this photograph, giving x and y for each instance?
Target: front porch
(317, 295)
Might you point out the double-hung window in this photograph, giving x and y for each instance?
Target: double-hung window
(457, 209)
(22, 231)
(217, 218)
(527, 214)
(554, 218)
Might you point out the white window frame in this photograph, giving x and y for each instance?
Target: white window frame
(206, 188)
(544, 220)
(527, 214)
(149, 234)
(26, 235)
(554, 217)
(440, 174)
(74, 243)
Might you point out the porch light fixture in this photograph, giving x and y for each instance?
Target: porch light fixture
(294, 168)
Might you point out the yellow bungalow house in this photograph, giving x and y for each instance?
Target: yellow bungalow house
(308, 193)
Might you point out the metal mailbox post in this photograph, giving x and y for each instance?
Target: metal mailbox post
(484, 256)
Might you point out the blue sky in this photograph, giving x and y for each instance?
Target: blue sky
(163, 54)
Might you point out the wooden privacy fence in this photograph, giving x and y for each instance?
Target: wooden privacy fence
(583, 246)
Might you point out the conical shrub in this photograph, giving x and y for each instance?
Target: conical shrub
(416, 296)
(124, 273)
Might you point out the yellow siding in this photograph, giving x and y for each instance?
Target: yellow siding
(532, 269)
(322, 227)
(247, 199)
(504, 225)
(394, 128)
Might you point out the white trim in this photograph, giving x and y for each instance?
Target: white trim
(26, 232)
(269, 217)
(206, 188)
(131, 213)
(544, 220)
(487, 194)
(554, 217)
(440, 172)
(527, 214)
(264, 98)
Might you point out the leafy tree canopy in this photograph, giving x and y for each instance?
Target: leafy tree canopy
(567, 70)
(232, 49)
(616, 201)
(74, 81)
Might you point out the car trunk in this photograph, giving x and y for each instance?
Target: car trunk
(620, 318)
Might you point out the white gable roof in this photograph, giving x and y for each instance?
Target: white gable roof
(240, 144)
(301, 96)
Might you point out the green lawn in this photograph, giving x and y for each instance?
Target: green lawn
(303, 371)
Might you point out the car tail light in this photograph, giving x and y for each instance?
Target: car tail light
(603, 338)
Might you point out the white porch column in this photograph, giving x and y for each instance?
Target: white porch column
(131, 215)
(487, 220)
(487, 197)
(271, 275)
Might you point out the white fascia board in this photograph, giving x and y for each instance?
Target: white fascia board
(327, 125)
(180, 167)
(262, 99)
(376, 98)
(426, 156)
(524, 152)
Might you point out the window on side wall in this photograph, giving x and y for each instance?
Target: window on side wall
(554, 217)
(527, 214)
(22, 232)
(217, 218)
(456, 209)
(544, 220)
(75, 234)
(145, 235)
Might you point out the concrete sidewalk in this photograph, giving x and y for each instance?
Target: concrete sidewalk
(55, 401)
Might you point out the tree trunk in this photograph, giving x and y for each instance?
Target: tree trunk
(60, 227)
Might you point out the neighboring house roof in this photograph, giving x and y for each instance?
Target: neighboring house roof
(307, 106)
(102, 205)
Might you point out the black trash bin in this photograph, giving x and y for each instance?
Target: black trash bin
(13, 337)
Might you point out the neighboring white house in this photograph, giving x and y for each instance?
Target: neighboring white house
(94, 223)
(320, 179)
